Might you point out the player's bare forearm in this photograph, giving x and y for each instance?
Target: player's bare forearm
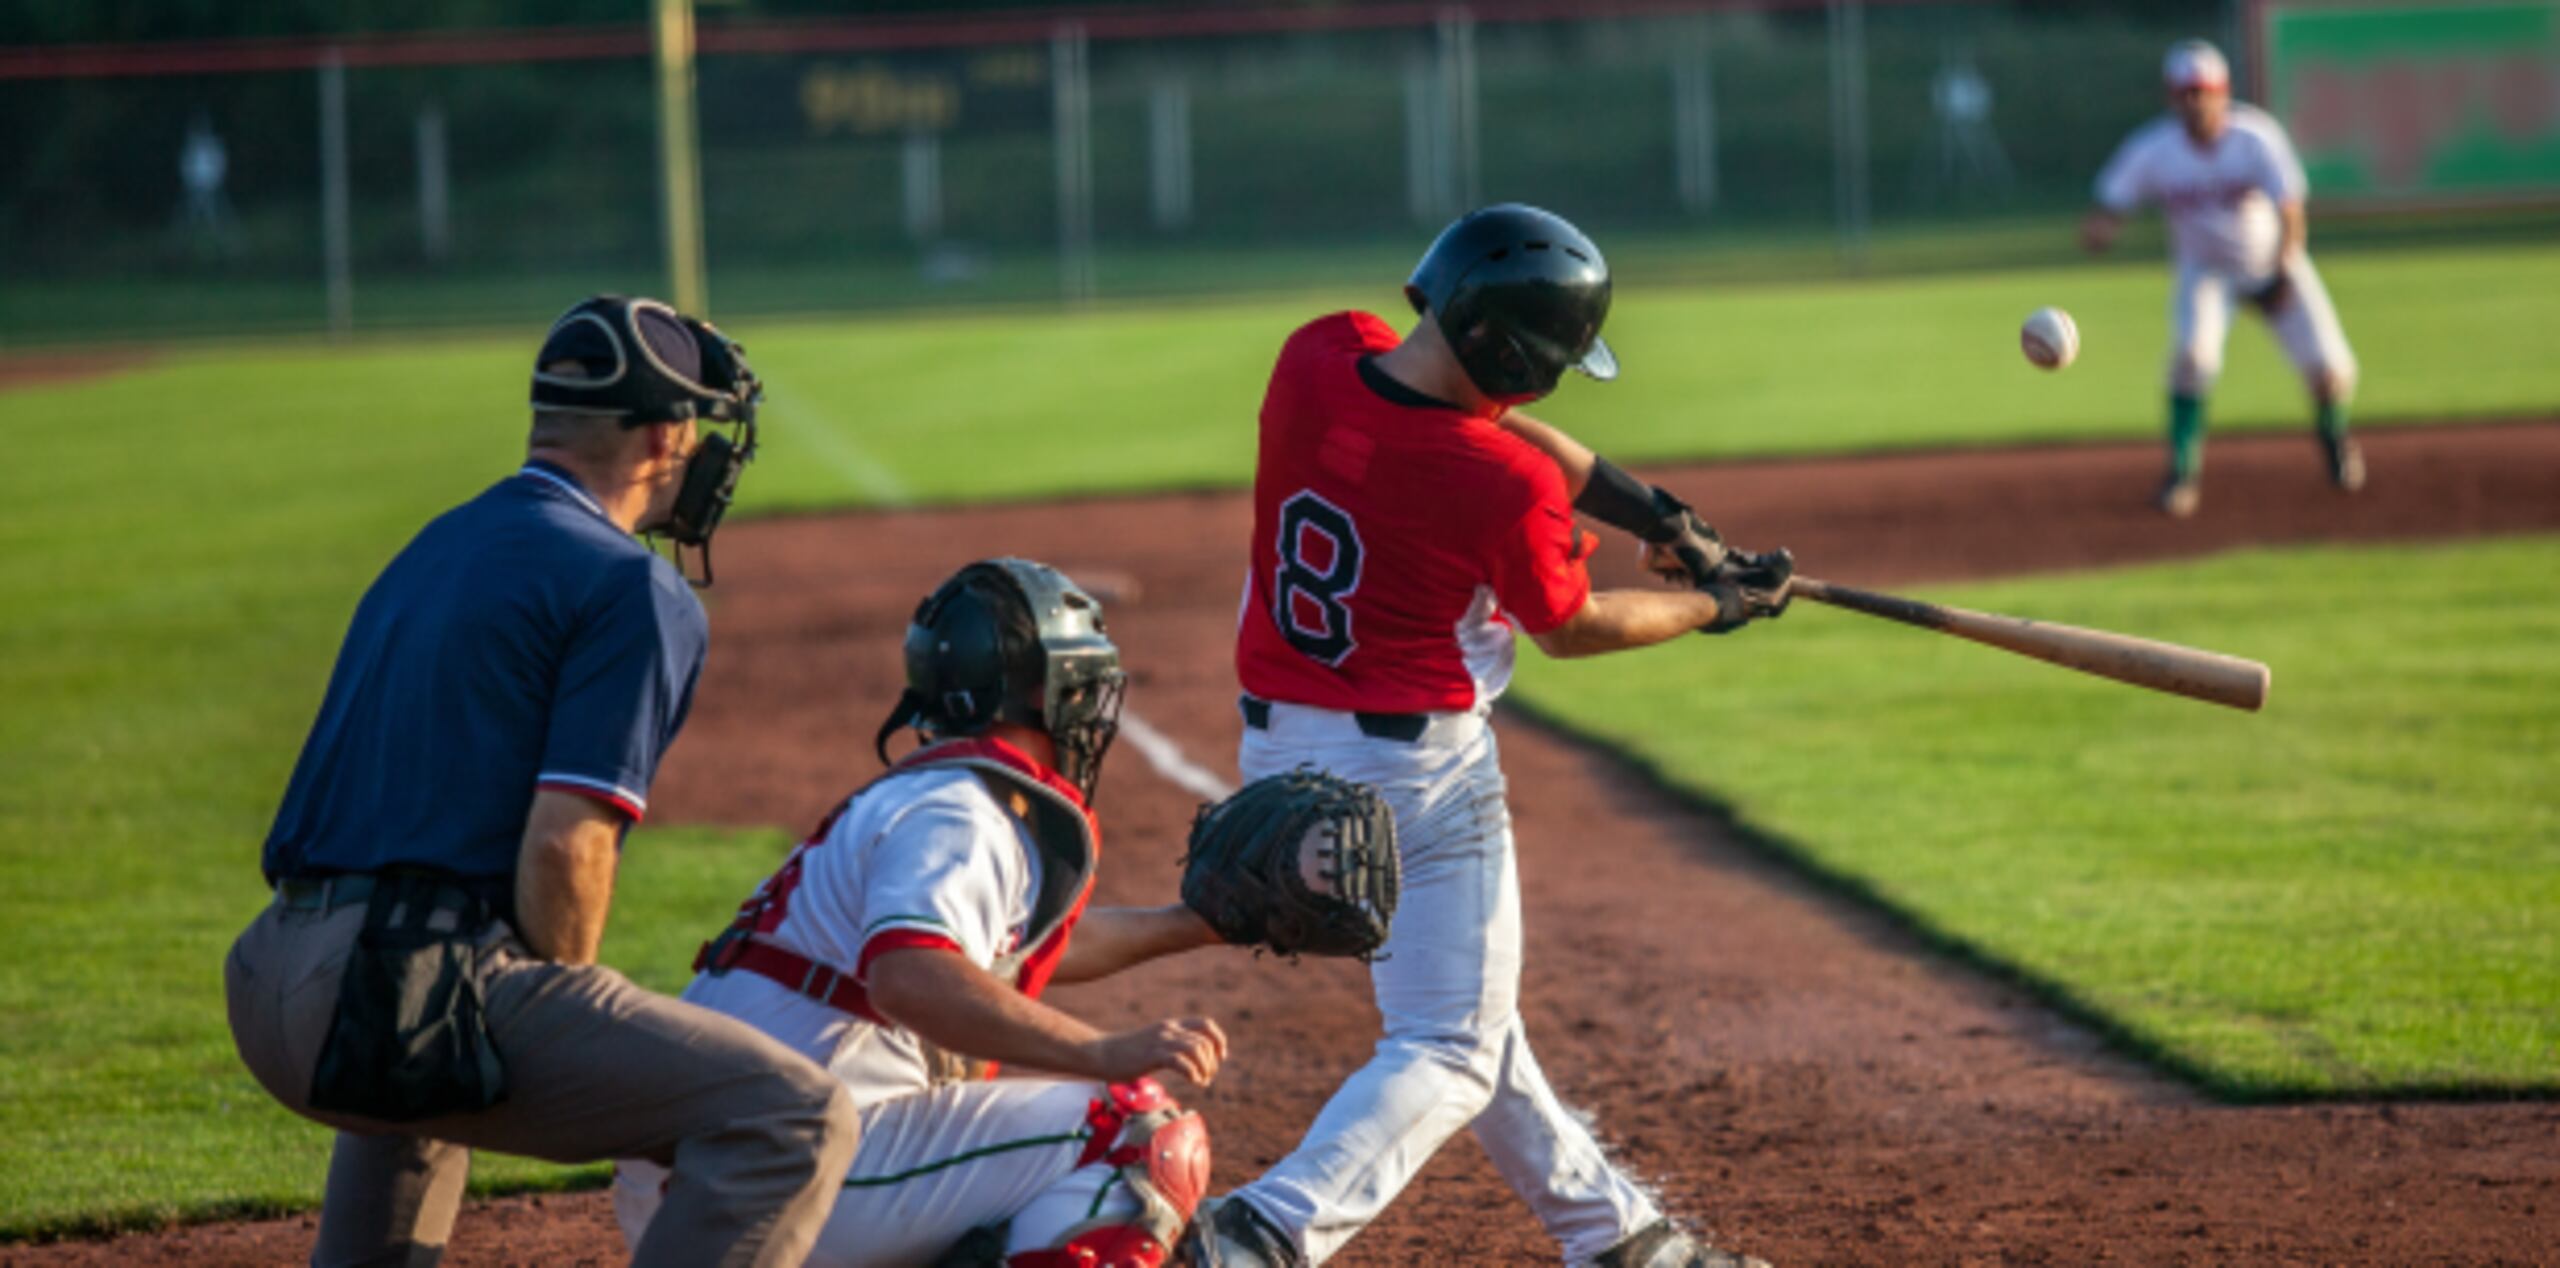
(942, 996)
(2098, 230)
(564, 876)
(1110, 939)
(956, 1005)
(1616, 620)
(1571, 456)
(2293, 231)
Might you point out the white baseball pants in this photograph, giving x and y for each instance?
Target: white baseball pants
(2307, 326)
(935, 1164)
(1448, 987)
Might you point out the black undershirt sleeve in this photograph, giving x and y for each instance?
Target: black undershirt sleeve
(1620, 501)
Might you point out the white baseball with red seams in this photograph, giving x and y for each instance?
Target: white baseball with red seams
(2050, 338)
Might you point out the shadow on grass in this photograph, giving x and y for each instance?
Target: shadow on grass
(2054, 995)
(153, 1217)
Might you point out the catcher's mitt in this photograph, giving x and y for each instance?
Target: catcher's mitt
(1301, 862)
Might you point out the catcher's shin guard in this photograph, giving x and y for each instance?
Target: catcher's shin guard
(1161, 1153)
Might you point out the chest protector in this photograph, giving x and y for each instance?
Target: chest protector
(1061, 827)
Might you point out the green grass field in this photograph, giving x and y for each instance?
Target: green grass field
(2354, 892)
(184, 544)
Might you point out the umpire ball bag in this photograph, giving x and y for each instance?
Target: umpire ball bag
(410, 1038)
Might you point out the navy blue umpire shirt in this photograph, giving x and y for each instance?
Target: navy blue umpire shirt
(521, 641)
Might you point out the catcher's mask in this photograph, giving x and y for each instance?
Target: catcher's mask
(642, 362)
(1519, 294)
(1010, 640)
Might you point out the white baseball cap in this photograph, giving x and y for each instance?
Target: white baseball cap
(2195, 64)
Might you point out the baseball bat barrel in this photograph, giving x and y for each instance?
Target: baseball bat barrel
(2184, 671)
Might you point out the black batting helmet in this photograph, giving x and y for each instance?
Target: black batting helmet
(1519, 294)
(1010, 640)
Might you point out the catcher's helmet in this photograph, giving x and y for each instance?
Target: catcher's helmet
(1010, 640)
(1519, 294)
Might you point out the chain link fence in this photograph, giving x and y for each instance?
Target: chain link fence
(851, 165)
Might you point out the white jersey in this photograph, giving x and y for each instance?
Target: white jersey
(926, 858)
(2220, 199)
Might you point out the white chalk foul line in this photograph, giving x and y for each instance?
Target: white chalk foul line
(835, 446)
(1170, 761)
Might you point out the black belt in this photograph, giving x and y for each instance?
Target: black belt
(327, 893)
(321, 893)
(1402, 727)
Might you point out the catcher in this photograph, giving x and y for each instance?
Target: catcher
(905, 945)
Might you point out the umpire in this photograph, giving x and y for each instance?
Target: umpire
(425, 979)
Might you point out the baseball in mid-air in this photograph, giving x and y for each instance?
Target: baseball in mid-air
(2050, 338)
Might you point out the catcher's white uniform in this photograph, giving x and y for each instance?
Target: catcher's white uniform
(2220, 201)
(926, 857)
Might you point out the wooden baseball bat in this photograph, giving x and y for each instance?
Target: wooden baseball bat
(2184, 671)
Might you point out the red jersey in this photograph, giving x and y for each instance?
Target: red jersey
(1398, 541)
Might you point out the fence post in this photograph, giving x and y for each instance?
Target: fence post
(1169, 151)
(680, 191)
(1072, 110)
(435, 198)
(336, 240)
(920, 184)
(1849, 127)
(1425, 166)
(1458, 87)
(1693, 117)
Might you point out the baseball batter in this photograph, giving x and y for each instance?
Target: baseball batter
(1403, 537)
(905, 946)
(2227, 178)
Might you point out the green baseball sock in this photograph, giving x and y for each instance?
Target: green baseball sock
(2186, 434)
(2332, 418)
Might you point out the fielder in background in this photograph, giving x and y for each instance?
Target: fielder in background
(1408, 526)
(425, 978)
(905, 945)
(2233, 190)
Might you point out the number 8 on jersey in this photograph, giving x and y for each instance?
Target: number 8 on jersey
(1319, 552)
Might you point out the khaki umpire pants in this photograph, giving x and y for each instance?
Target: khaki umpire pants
(756, 1136)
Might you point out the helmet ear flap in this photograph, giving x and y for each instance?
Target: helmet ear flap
(1498, 365)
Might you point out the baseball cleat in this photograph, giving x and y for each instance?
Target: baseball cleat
(2346, 462)
(1228, 1233)
(2179, 496)
(1663, 1244)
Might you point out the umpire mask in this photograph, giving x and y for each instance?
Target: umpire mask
(642, 362)
(1010, 640)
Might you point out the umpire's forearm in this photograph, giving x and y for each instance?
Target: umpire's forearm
(564, 876)
(1110, 939)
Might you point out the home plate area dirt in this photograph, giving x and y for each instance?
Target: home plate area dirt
(1796, 1072)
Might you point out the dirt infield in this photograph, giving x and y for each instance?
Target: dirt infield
(1794, 1071)
(32, 369)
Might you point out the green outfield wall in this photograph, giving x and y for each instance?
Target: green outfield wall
(2418, 103)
